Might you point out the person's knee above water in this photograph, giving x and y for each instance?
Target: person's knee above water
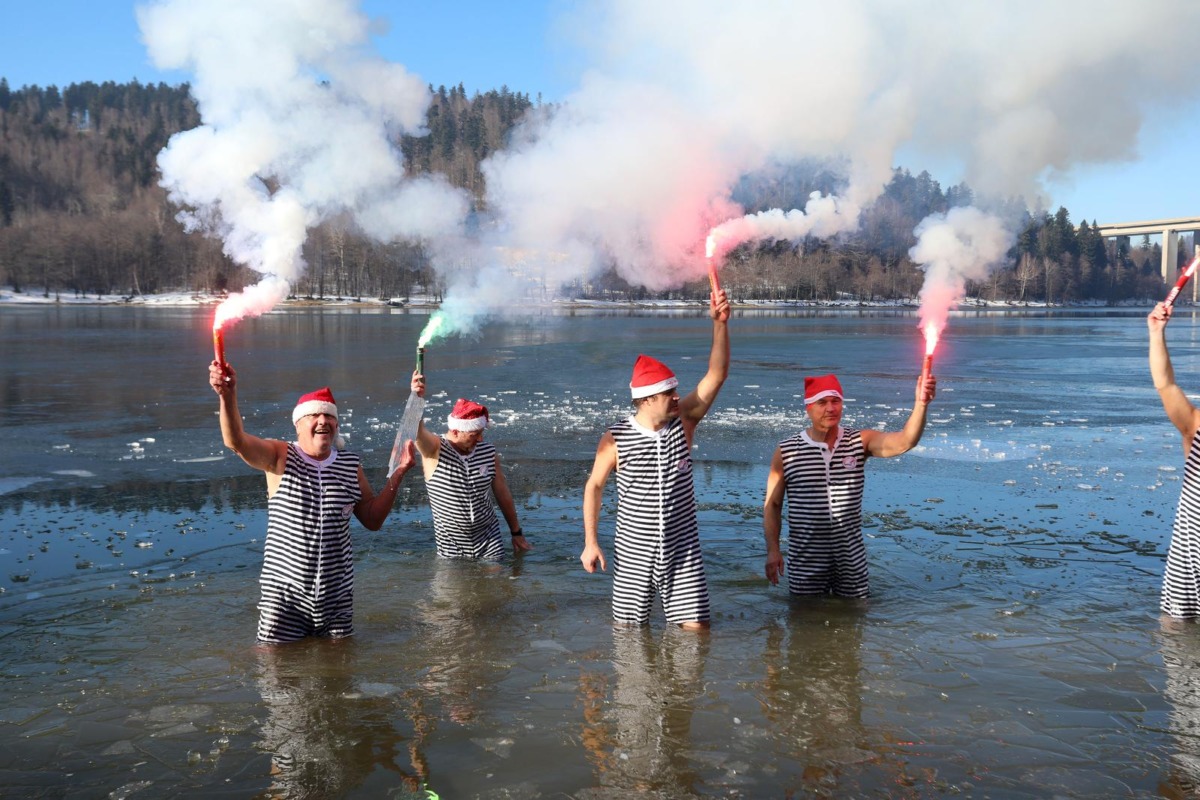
(821, 472)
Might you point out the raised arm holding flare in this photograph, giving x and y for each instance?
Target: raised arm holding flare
(1181, 579)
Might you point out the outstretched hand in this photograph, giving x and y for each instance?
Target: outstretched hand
(718, 306)
(926, 388)
(221, 377)
(1159, 317)
(408, 457)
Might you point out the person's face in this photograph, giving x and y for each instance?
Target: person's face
(465, 441)
(664, 405)
(317, 433)
(826, 412)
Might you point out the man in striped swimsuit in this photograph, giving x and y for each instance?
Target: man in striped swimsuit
(463, 477)
(313, 487)
(657, 543)
(822, 472)
(1181, 578)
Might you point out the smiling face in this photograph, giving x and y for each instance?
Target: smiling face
(316, 433)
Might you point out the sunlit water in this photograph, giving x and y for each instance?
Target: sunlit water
(1012, 647)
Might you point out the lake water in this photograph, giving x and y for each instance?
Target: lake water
(1012, 647)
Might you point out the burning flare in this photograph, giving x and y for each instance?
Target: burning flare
(932, 332)
(710, 245)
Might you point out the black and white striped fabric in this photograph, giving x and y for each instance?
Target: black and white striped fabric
(824, 492)
(1181, 579)
(657, 543)
(460, 493)
(308, 563)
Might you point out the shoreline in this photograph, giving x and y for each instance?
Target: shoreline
(8, 297)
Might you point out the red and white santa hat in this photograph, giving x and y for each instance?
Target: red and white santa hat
(818, 386)
(651, 377)
(319, 402)
(468, 417)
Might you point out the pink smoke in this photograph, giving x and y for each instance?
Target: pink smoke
(952, 248)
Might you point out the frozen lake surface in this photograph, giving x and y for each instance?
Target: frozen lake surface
(1012, 647)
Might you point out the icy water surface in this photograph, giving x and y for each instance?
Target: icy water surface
(1012, 647)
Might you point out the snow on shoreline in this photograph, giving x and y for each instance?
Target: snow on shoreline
(198, 299)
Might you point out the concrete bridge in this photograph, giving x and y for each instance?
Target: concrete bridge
(1170, 230)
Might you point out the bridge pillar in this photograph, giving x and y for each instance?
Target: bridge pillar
(1170, 255)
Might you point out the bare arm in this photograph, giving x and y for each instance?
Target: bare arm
(269, 455)
(593, 496)
(773, 516)
(373, 509)
(508, 508)
(885, 444)
(693, 407)
(1180, 411)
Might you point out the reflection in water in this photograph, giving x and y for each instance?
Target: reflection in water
(812, 692)
(640, 742)
(325, 733)
(1181, 659)
(467, 634)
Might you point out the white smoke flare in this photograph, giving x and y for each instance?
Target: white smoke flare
(299, 119)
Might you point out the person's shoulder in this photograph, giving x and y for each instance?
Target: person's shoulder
(623, 424)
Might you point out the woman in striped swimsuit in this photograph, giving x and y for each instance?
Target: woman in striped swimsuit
(307, 578)
(657, 542)
(1181, 579)
(821, 471)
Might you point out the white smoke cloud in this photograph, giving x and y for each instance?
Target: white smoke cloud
(680, 101)
(299, 118)
(684, 97)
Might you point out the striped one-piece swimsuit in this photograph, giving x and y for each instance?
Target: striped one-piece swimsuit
(460, 494)
(824, 497)
(1181, 579)
(308, 563)
(657, 543)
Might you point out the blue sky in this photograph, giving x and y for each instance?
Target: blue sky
(488, 44)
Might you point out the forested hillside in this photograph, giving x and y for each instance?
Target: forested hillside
(81, 213)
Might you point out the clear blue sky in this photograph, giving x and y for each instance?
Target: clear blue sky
(487, 44)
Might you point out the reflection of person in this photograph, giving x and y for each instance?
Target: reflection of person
(821, 471)
(463, 477)
(324, 734)
(812, 699)
(1181, 661)
(657, 543)
(640, 741)
(1181, 579)
(467, 623)
(313, 487)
